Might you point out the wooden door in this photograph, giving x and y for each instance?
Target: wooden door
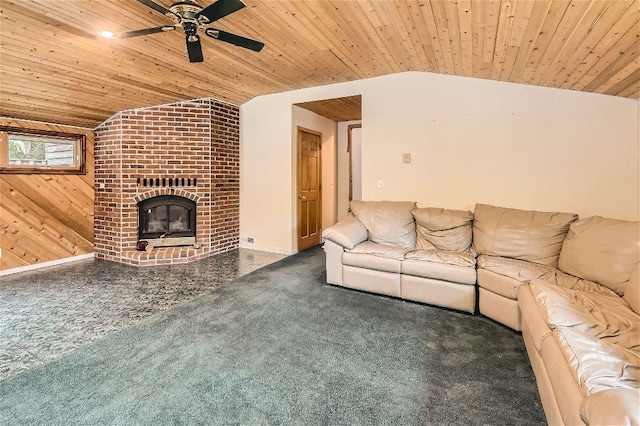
(309, 187)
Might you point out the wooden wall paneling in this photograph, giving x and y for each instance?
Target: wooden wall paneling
(31, 236)
(38, 235)
(46, 217)
(54, 202)
(10, 261)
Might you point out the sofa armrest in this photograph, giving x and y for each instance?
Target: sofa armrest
(347, 233)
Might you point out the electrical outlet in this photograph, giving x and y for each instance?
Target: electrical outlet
(406, 158)
(250, 240)
(380, 183)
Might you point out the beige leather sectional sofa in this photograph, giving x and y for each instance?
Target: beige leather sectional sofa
(572, 286)
(396, 249)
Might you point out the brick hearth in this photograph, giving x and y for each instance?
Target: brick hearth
(189, 149)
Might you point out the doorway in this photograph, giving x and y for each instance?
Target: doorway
(309, 199)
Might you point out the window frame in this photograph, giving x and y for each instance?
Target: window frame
(81, 152)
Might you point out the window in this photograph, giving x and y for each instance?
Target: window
(40, 151)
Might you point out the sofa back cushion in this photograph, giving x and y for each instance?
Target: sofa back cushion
(602, 250)
(388, 222)
(443, 229)
(632, 290)
(520, 234)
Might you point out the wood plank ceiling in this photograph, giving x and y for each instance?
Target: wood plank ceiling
(54, 68)
(336, 109)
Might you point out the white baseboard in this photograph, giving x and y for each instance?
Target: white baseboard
(267, 249)
(46, 264)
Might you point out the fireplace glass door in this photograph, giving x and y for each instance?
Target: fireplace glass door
(166, 216)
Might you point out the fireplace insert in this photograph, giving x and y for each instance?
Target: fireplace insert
(167, 216)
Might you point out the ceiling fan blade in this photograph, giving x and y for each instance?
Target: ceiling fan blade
(156, 6)
(235, 39)
(194, 49)
(220, 9)
(146, 31)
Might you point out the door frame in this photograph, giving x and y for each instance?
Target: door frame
(350, 128)
(297, 187)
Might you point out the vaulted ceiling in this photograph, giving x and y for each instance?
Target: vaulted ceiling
(54, 68)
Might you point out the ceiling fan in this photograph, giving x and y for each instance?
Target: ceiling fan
(191, 16)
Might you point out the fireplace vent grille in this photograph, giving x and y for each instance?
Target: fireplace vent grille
(166, 182)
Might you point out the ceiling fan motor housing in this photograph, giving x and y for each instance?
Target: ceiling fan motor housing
(185, 9)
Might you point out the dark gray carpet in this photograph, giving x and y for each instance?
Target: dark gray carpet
(280, 346)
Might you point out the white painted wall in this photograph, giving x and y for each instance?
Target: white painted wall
(471, 141)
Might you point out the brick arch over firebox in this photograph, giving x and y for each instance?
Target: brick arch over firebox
(166, 191)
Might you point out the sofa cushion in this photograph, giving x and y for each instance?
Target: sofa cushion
(602, 250)
(380, 250)
(503, 276)
(598, 315)
(348, 233)
(562, 279)
(520, 234)
(372, 262)
(443, 229)
(617, 406)
(374, 256)
(597, 364)
(598, 335)
(388, 222)
(632, 291)
(441, 265)
(444, 257)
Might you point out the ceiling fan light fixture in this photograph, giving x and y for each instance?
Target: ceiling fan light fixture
(107, 34)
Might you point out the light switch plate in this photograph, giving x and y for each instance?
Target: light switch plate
(381, 184)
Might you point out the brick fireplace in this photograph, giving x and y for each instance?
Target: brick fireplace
(185, 151)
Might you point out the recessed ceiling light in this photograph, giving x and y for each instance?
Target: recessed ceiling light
(107, 34)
